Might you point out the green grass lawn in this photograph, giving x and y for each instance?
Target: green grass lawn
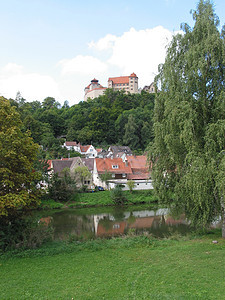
(104, 198)
(121, 268)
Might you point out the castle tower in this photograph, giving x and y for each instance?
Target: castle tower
(133, 83)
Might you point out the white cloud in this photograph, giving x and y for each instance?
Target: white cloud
(80, 64)
(12, 68)
(32, 86)
(139, 51)
(104, 43)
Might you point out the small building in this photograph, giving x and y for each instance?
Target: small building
(115, 166)
(119, 151)
(59, 166)
(72, 146)
(127, 83)
(87, 150)
(93, 90)
(149, 88)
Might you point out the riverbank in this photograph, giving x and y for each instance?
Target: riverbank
(102, 198)
(120, 268)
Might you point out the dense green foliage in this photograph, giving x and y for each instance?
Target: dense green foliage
(17, 155)
(142, 268)
(188, 151)
(23, 232)
(61, 188)
(105, 120)
(118, 196)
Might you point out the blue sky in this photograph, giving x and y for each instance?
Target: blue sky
(55, 47)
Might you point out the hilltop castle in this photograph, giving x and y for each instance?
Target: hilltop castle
(127, 83)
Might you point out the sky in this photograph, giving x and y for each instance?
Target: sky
(54, 48)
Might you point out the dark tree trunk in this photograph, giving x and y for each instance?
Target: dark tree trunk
(223, 219)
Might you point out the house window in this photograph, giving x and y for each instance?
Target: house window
(113, 175)
(123, 175)
(115, 167)
(91, 150)
(116, 226)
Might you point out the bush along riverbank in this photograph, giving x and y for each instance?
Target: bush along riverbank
(133, 267)
(103, 198)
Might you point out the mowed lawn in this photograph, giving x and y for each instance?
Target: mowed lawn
(122, 268)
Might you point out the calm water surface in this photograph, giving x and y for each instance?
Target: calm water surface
(106, 222)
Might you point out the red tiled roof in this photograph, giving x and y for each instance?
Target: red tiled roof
(105, 164)
(71, 143)
(133, 75)
(99, 150)
(137, 162)
(85, 148)
(49, 162)
(121, 79)
(140, 176)
(139, 166)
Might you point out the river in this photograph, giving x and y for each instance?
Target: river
(113, 221)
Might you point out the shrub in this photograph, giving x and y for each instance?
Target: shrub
(21, 232)
(118, 196)
(131, 185)
(61, 188)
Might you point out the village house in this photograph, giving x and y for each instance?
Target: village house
(72, 146)
(119, 151)
(115, 166)
(60, 165)
(123, 169)
(149, 88)
(140, 172)
(87, 150)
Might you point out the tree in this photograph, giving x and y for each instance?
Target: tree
(63, 188)
(17, 156)
(81, 174)
(105, 177)
(188, 151)
(130, 137)
(131, 185)
(118, 196)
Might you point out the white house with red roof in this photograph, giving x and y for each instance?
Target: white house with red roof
(115, 166)
(93, 90)
(72, 146)
(88, 151)
(131, 168)
(127, 83)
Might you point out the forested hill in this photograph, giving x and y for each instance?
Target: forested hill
(114, 118)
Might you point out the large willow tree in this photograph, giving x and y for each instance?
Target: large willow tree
(189, 148)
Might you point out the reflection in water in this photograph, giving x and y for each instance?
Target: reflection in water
(159, 223)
